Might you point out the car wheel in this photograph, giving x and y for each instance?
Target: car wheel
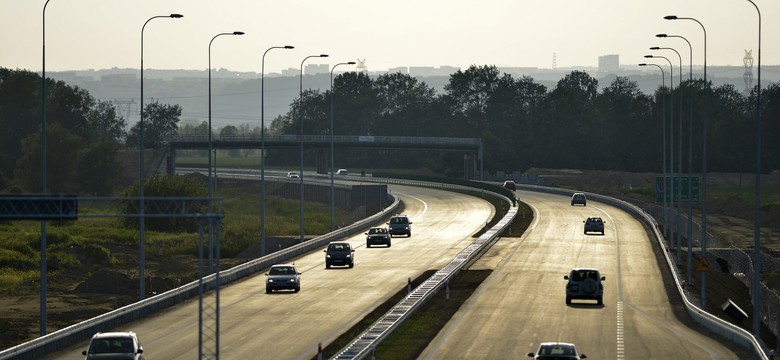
(568, 300)
(602, 232)
(388, 244)
(600, 300)
(268, 290)
(351, 265)
(327, 265)
(409, 234)
(368, 244)
(297, 289)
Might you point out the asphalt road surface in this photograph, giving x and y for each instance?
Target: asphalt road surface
(287, 325)
(522, 303)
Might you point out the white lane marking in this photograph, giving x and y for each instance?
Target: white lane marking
(620, 340)
(425, 205)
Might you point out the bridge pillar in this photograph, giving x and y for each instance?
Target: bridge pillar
(170, 161)
(323, 161)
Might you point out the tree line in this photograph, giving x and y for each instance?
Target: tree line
(522, 123)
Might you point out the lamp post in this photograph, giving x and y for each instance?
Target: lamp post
(671, 142)
(262, 146)
(689, 228)
(300, 115)
(679, 154)
(332, 163)
(703, 164)
(663, 131)
(141, 289)
(757, 226)
(211, 181)
(43, 171)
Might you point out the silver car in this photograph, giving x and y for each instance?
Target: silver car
(282, 277)
(557, 351)
(114, 345)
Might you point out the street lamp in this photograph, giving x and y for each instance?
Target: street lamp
(141, 289)
(663, 131)
(757, 226)
(211, 182)
(300, 115)
(703, 164)
(679, 154)
(262, 146)
(43, 172)
(689, 229)
(671, 142)
(332, 163)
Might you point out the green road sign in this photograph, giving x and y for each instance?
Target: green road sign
(663, 187)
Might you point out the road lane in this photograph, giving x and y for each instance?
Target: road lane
(286, 325)
(523, 302)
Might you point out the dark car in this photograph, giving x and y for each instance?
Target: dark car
(594, 224)
(584, 283)
(377, 235)
(282, 277)
(114, 345)
(339, 253)
(510, 185)
(400, 225)
(557, 351)
(578, 199)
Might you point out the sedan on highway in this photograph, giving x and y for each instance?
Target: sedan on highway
(114, 345)
(377, 235)
(282, 277)
(339, 253)
(557, 351)
(594, 224)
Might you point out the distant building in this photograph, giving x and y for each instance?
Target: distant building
(400, 69)
(313, 69)
(609, 63)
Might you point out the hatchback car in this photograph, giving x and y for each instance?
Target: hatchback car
(584, 283)
(594, 224)
(114, 345)
(282, 277)
(556, 351)
(578, 199)
(339, 253)
(510, 185)
(377, 235)
(343, 172)
(400, 225)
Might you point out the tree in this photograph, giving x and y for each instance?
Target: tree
(230, 130)
(161, 120)
(64, 148)
(104, 123)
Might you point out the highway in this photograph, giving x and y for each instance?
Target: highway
(522, 303)
(287, 325)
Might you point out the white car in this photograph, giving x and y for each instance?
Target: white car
(293, 175)
(343, 172)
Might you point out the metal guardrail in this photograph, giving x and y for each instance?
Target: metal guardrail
(76, 333)
(712, 322)
(400, 140)
(363, 345)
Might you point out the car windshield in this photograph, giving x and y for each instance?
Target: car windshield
(399, 220)
(376, 231)
(565, 350)
(580, 275)
(338, 247)
(112, 345)
(282, 270)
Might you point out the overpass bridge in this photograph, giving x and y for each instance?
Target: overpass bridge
(470, 147)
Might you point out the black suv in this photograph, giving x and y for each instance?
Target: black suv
(594, 224)
(584, 283)
(339, 253)
(400, 225)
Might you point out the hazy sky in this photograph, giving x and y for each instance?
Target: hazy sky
(101, 34)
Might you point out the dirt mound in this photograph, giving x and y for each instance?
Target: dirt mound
(108, 282)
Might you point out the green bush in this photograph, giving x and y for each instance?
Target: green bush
(166, 186)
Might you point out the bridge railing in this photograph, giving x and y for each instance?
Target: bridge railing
(400, 140)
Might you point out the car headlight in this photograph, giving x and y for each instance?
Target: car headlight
(327, 256)
(292, 280)
(270, 280)
(349, 256)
